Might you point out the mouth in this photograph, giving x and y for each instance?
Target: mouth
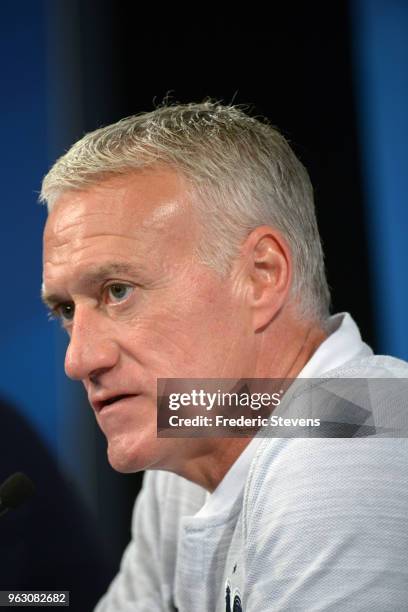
(110, 401)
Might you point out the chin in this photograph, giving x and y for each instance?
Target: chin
(125, 463)
(128, 458)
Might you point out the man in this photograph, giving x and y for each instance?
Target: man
(183, 243)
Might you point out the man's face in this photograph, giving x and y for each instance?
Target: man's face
(120, 269)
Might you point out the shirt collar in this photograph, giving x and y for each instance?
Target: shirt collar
(343, 344)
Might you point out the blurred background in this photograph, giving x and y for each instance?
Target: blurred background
(333, 76)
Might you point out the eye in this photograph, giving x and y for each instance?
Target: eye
(118, 292)
(65, 311)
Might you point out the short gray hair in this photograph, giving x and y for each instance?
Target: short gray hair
(242, 171)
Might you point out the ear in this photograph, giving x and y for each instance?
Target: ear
(268, 274)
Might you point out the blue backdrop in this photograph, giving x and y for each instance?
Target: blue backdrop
(28, 363)
(380, 40)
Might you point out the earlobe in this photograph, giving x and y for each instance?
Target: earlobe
(269, 274)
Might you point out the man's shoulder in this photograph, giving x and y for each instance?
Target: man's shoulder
(371, 366)
(296, 475)
(369, 395)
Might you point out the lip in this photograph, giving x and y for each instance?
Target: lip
(101, 402)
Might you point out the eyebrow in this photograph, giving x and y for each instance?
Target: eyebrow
(92, 277)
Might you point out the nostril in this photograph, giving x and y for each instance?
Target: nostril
(96, 374)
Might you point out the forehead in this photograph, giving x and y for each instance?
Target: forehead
(137, 212)
(141, 200)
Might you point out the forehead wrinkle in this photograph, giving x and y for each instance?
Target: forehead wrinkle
(94, 277)
(101, 272)
(64, 222)
(74, 250)
(149, 213)
(162, 219)
(77, 239)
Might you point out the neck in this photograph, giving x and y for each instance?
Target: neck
(287, 348)
(209, 463)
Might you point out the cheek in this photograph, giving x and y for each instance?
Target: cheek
(201, 338)
(166, 343)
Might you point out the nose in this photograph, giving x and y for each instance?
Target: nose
(91, 350)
